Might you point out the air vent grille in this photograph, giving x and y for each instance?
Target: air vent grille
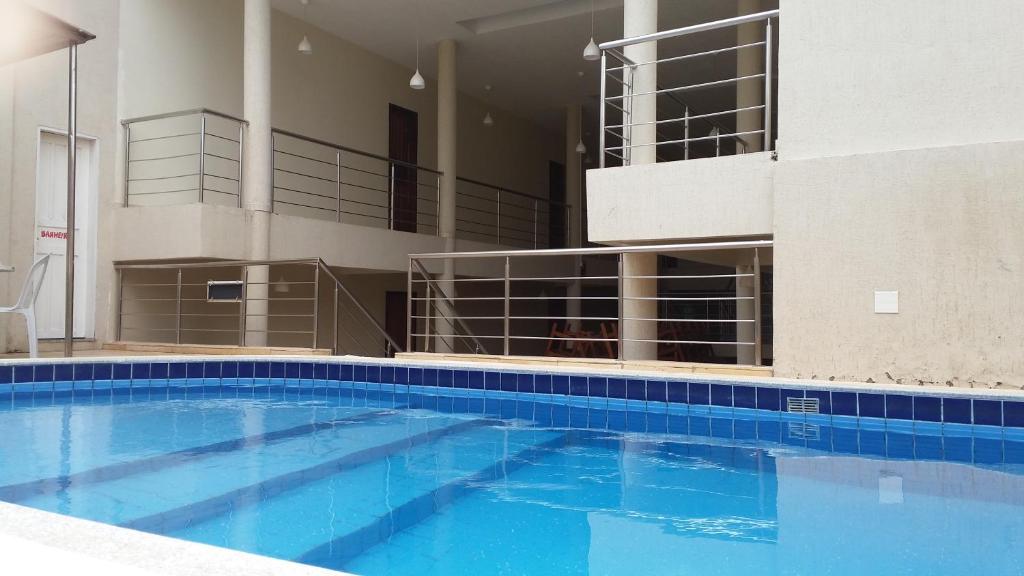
(803, 405)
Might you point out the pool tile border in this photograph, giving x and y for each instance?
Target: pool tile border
(903, 406)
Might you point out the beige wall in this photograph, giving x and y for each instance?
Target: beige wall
(940, 225)
(879, 75)
(33, 95)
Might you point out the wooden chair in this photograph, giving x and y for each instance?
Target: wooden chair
(557, 345)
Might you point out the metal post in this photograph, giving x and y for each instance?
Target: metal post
(316, 306)
(601, 107)
(534, 224)
(241, 307)
(508, 264)
(686, 133)
(69, 250)
(391, 198)
(757, 308)
(410, 310)
(768, 143)
(241, 159)
(499, 216)
(337, 177)
(428, 313)
(202, 154)
(437, 206)
(334, 347)
(120, 302)
(718, 143)
(127, 161)
(177, 311)
(622, 326)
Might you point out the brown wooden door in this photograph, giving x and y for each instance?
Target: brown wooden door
(395, 306)
(403, 134)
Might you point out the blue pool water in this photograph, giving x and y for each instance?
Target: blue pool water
(380, 480)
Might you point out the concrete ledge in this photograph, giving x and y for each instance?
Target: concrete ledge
(599, 363)
(37, 542)
(211, 349)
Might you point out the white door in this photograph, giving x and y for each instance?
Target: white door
(51, 234)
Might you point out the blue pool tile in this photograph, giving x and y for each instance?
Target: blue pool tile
(988, 450)
(1013, 451)
(141, 371)
(677, 392)
(899, 445)
(102, 371)
(195, 370)
(1013, 414)
(745, 429)
(82, 372)
(347, 373)
(784, 396)
(373, 374)
(416, 377)
(744, 397)
(524, 383)
(636, 389)
(844, 403)
(402, 375)
(122, 372)
(824, 398)
(958, 448)
(988, 412)
(721, 395)
(872, 442)
(699, 394)
(63, 372)
(430, 377)
(598, 387)
(212, 369)
(768, 398)
(230, 369)
(559, 384)
(721, 428)
(177, 371)
(578, 386)
(928, 408)
(43, 373)
(616, 388)
(460, 379)
(293, 371)
(6, 374)
(927, 447)
(871, 405)
(359, 373)
(492, 380)
(657, 422)
(769, 430)
(508, 382)
(899, 407)
(956, 410)
(319, 371)
(333, 371)
(306, 371)
(845, 440)
(656, 391)
(476, 380)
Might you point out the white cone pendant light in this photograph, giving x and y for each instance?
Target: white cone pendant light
(417, 82)
(581, 148)
(592, 52)
(305, 48)
(488, 121)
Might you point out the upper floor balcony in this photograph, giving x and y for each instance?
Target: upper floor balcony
(687, 133)
(184, 176)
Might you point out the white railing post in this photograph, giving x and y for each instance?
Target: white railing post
(768, 73)
(601, 107)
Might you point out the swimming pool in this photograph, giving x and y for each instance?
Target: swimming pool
(392, 469)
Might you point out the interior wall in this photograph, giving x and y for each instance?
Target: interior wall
(33, 95)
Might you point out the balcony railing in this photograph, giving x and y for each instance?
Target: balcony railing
(183, 157)
(494, 214)
(703, 302)
(284, 303)
(197, 156)
(681, 130)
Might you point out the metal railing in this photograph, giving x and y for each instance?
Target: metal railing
(278, 303)
(183, 157)
(319, 179)
(494, 214)
(702, 302)
(682, 131)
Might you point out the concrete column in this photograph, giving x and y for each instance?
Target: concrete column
(750, 61)
(641, 17)
(574, 198)
(745, 311)
(447, 132)
(258, 167)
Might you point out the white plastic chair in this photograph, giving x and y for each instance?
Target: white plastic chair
(26, 304)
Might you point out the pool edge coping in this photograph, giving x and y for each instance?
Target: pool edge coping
(139, 553)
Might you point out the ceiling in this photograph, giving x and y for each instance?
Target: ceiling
(529, 51)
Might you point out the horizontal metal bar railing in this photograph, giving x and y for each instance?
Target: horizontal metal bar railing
(506, 216)
(290, 311)
(162, 158)
(537, 301)
(681, 131)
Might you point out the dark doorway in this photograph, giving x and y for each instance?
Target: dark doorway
(558, 221)
(395, 319)
(403, 134)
